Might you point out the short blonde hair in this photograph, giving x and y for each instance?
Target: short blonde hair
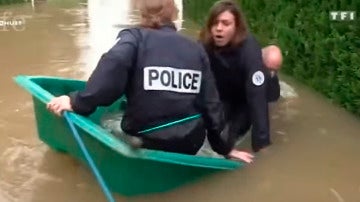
(155, 13)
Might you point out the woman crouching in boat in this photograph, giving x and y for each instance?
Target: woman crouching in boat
(165, 77)
(245, 85)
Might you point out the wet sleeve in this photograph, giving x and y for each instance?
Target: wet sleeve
(108, 81)
(212, 111)
(273, 88)
(256, 93)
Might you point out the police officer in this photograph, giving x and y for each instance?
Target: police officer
(245, 85)
(165, 77)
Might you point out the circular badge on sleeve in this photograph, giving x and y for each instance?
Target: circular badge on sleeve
(258, 78)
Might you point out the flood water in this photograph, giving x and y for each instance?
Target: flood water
(315, 151)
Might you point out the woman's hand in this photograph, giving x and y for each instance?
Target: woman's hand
(241, 155)
(59, 104)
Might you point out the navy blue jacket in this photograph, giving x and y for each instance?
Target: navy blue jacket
(165, 77)
(245, 87)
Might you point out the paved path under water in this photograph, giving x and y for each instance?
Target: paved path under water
(316, 144)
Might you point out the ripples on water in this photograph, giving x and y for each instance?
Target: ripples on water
(20, 170)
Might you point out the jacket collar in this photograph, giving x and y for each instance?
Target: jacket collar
(168, 27)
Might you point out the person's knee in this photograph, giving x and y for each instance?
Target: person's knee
(272, 57)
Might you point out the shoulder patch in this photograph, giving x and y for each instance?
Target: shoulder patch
(258, 78)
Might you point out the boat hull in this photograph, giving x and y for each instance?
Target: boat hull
(127, 171)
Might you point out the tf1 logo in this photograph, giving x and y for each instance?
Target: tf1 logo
(342, 15)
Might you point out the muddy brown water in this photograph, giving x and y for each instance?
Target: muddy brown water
(315, 151)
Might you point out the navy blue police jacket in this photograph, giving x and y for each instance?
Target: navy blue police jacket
(244, 83)
(165, 77)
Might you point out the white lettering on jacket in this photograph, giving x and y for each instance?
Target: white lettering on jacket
(172, 79)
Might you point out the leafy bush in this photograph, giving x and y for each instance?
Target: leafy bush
(7, 2)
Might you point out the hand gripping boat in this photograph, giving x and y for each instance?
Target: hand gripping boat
(125, 170)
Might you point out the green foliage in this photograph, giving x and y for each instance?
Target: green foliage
(7, 2)
(322, 53)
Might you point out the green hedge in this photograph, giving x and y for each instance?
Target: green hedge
(7, 2)
(321, 53)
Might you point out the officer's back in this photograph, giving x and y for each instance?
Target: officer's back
(172, 97)
(167, 76)
(166, 83)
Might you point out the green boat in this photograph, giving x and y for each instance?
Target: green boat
(126, 171)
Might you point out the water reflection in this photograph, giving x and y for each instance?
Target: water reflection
(106, 18)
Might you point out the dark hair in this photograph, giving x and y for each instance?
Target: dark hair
(240, 23)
